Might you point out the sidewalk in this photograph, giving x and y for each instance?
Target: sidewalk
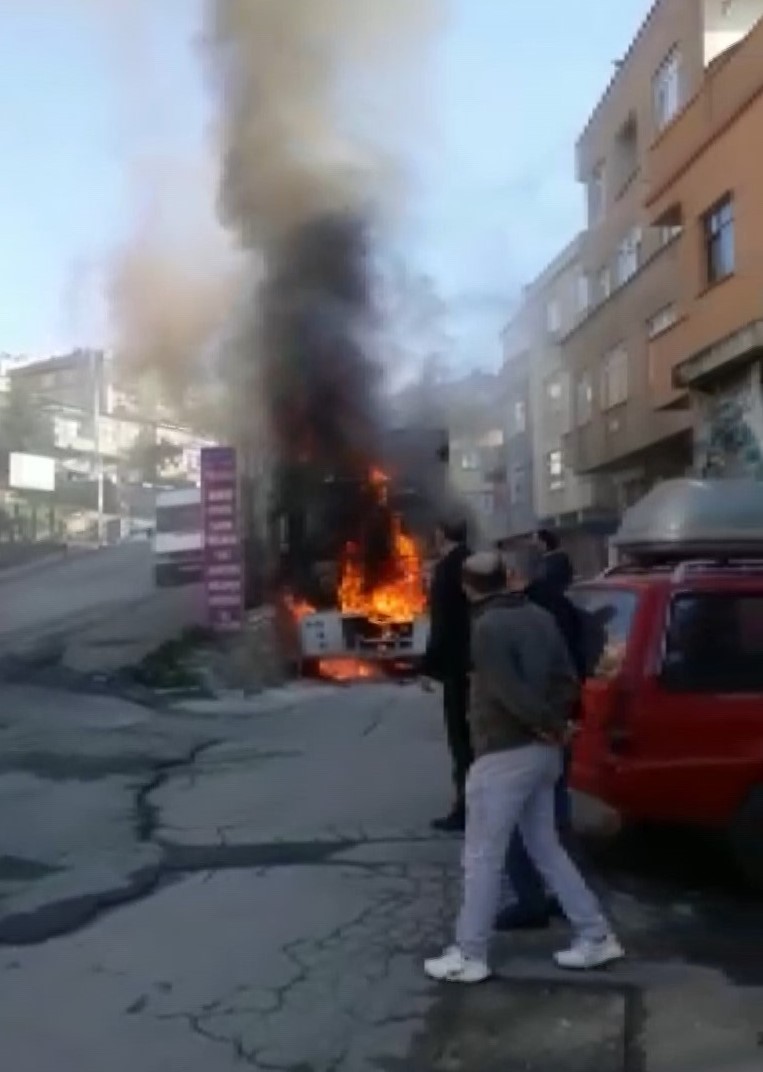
(279, 888)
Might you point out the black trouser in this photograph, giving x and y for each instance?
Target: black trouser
(455, 701)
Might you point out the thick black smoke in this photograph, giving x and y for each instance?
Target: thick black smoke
(312, 97)
(318, 377)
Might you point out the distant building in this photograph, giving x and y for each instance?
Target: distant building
(474, 407)
(580, 508)
(471, 409)
(521, 519)
(69, 380)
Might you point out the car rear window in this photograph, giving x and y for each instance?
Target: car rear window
(608, 615)
(714, 643)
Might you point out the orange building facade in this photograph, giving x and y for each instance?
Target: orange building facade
(665, 357)
(706, 172)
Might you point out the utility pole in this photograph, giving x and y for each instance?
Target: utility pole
(96, 368)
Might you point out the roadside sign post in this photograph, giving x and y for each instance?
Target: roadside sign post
(223, 555)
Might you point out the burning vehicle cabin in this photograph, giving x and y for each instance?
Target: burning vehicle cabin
(350, 500)
(353, 561)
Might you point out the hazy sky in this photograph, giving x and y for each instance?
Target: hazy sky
(81, 103)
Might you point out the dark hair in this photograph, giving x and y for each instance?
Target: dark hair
(454, 529)
(549, 539)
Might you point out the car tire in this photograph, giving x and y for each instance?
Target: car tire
(746, 838)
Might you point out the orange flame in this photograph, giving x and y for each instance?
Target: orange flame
(298, 608)
(401, 597)
(341, 670)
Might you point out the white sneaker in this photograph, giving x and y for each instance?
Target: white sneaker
(585, 954)
(455, 967)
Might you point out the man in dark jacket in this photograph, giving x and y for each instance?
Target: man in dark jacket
(555, 570)
(447, 656)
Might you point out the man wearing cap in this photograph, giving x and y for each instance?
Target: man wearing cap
(523, 691)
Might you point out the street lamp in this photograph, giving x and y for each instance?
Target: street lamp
(96, 369)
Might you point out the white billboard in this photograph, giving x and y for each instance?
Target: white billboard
(32, 472)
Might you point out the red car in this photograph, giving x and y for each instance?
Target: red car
(672, 726)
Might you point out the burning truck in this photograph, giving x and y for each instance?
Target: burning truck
(351, 503)
(311, 188)
(354, 561)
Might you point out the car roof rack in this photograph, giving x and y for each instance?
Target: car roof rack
(715, 565)
(627, 569)
(680, 569)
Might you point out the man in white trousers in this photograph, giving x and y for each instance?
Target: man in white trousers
(524, 689)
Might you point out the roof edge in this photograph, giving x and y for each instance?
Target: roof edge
(620, 66)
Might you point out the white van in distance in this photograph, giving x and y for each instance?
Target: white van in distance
(179, 537)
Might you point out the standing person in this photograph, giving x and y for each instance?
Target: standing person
(523, 690)
(555, 572)
(527, 903)
(447, 657)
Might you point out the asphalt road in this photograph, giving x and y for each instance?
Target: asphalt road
(253, 884)
(65, 597)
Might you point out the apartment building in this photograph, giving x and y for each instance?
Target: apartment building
(706, 173)
(632, 253)
(471, 409)
(77, 379)
(579, 507)
(516, 340)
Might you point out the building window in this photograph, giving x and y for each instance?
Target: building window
(614, 378)
(597, 192)
(584, 405)
(555, 470)
(554, 395)
(661, 321)
(518, 484)
(718, 226)
(666, 88)
(626, 154)
(670, 225)
(629, 256)
(470, 461)
(553, 317)
(713, 644)
(520, 418)
(583, 292)
(604, 280)
(669, 232)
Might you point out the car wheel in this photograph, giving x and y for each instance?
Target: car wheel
(746, 838)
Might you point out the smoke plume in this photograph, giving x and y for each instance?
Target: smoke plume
(170, 282)
(313, 95)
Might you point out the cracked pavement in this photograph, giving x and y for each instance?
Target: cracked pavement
(251, 883)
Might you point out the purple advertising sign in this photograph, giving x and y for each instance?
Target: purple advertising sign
(223, 559)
